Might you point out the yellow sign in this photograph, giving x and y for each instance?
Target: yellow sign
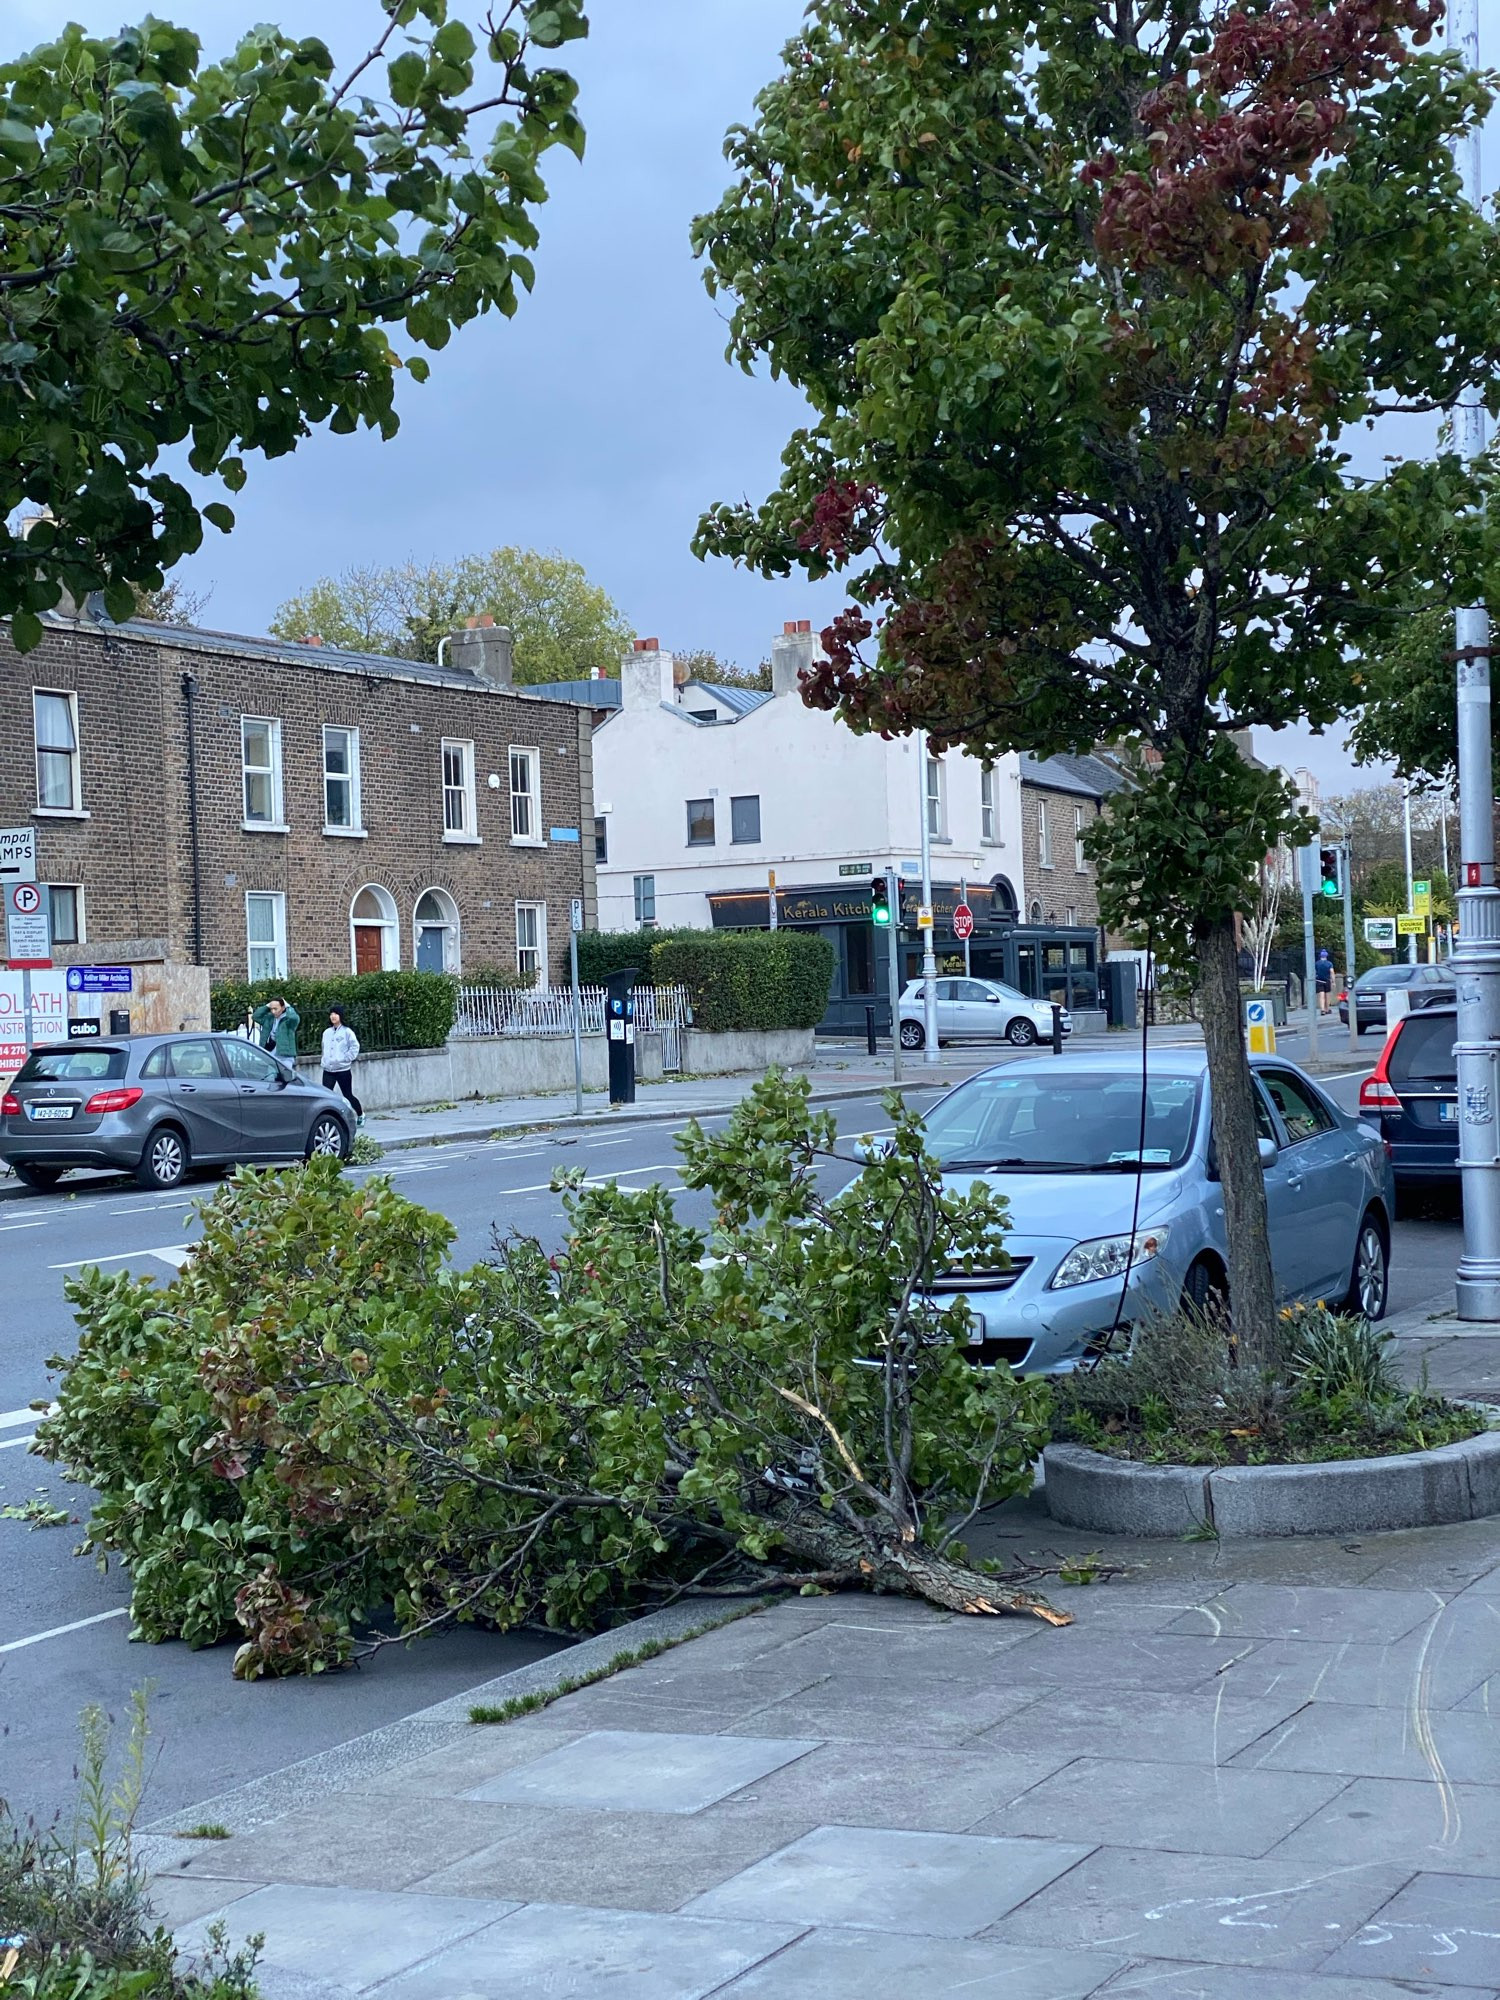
(924, 917)
(1411, 926)
(1260, 1027)
(1421, 899)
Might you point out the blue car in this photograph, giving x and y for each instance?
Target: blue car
(1412, 1097)
(1061, 1138)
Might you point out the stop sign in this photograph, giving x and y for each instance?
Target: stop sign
(963, 921)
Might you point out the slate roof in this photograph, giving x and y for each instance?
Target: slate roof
(1088, 777)
(593, 694)
(742, 700)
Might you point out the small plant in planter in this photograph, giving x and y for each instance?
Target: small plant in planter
(1179, 1396)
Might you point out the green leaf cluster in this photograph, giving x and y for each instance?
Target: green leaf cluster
(387, 1010)
(216, 259)
(735, 979)
(318, 1418)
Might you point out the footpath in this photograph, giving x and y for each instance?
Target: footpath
(837, 1071)
(1248, 1771)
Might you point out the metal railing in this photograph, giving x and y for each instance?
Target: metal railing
(485, 1011)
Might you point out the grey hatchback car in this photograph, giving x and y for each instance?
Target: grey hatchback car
(157, 1105)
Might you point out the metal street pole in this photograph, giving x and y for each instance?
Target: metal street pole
(1309, 949)
(1348, 863)
(1411, 942)
(893, 937)
(1476, 955)
(771, 890)
(930, 1052)
(963, 897)
(577, 1023)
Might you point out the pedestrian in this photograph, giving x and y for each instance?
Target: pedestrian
(1324, 971)
(340, 1054)
(264, 1023)
(285, 1021)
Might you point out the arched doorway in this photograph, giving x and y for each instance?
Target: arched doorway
(374, 931)
(435, 932)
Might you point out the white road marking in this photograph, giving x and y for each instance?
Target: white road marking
(61, 1631)
(10, 1418)
(175, 1254)
(14, 1444)
(38, 1223)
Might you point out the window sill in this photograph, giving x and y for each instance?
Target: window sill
(264, 826)
(346, 833)
(463, 840)
(60, 812)
(991, 841)
(527, 840)
(702, 843)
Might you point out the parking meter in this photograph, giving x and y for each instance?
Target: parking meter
(619, 1030)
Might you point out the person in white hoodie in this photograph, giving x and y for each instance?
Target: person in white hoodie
(340, 1054)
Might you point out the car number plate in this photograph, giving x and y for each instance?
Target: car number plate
(1448, 1112)
(39, 1111)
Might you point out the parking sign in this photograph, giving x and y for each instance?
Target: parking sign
(28, 926)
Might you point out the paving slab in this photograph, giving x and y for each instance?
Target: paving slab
(610, 1860)
(1380, 1743)
(1141, 1725)
(843, 1965)
(1443, 1927)
(935, 1711)
(1104, 1658)
(641, 1772)
(1178, 1982)
(1449, 1829)
(488, 1750)
(1195, 1907)
(865, 1878)
(898, 1785)
(1277, 1611)
(352, 1840)
(348, 1938)
(1435, 1667)
(578, 1954)
(1186, 1808)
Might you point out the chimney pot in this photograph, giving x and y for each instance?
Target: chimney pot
(790, 625)
(648, 645)
(485, 650)
(804, 624)
(486, 619)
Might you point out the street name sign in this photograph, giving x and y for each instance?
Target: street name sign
(18, 853)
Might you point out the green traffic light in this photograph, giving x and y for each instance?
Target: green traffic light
(880, 903)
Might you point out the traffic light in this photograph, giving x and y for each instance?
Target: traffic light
(1328, 870)
(880, 903)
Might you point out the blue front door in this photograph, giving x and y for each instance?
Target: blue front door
(430, 949)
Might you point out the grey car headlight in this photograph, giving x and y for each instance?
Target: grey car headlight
(1108, 1257)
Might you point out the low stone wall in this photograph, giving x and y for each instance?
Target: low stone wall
(538, 1066)
(1419, 1489)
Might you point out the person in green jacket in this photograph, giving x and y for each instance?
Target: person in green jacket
(284, 1024)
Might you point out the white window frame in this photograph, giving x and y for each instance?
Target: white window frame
(74, 808)
(277, 901)
(1043, 835)
(935, 792)
(277, 821)
(78, 913)
(355, 830)
(1080, 859)
(642, 896)
(987, 815)
(539, 911)
(529, 758)
(1070, 916)
(468, 834)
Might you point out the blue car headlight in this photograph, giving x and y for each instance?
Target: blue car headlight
(1108, 1257)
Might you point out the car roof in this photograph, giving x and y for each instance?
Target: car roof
(1187, 1061)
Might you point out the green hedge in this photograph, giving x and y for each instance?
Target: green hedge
(748, 979)
(387, 1010)
(601, 953)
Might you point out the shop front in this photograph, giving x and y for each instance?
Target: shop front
(1045, 961)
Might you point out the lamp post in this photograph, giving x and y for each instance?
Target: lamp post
(930, 1052)
(1476, 956)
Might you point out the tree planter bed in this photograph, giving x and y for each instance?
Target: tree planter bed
(1420, 1489)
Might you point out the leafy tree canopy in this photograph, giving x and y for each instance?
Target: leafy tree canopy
(218, 258)
(1086, 297)
(705, 665)
(565, 626)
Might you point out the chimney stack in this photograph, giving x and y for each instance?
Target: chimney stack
(485, 650)
(793, 655)
(647, 676)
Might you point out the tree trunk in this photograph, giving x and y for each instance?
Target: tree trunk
(1252, 1290)
(910, 1569)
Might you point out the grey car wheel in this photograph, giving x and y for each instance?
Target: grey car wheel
(912, 1036)
(1021, 1032)
(1369, 1283)
(327, 1139)
(164, 1163)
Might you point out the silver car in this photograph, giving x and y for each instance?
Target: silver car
(977, 1010)
(1116, 1208)
(158, 1105)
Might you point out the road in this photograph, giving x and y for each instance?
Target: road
(63, 1628)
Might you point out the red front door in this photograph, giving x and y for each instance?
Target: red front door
(369, 952)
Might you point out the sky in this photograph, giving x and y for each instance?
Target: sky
(603, 419)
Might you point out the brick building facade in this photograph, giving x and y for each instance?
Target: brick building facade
(1061, 797)
(267, 808)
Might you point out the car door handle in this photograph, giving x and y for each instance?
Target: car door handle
(247, 1090)
(187, 1088)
